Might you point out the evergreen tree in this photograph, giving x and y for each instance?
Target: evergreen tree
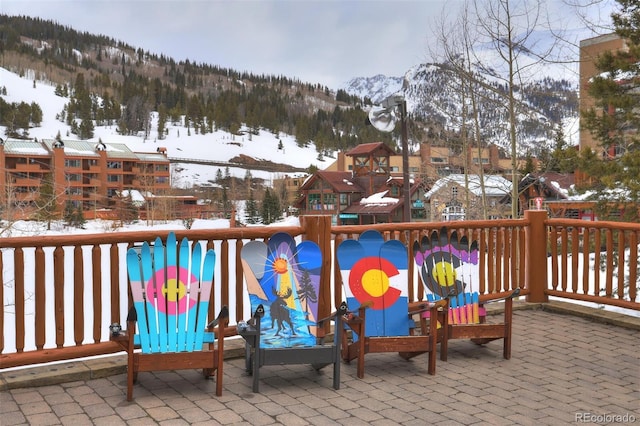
(270, 208)
(73, 216)
(615, 168)
(46, 205)
(251, 209)
(36, 114)
(162, 120)
(78, 218)
(68, 213)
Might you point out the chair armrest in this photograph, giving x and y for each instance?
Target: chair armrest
(501, 298)
(224, 314)
(341, 312)
(423, 306)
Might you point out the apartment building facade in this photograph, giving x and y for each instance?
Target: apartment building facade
(89, 175)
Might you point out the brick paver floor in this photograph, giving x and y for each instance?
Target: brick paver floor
(564, 369)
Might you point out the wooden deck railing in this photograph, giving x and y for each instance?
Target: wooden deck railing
(60, 293)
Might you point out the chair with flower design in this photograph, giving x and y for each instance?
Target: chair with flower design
(375, 279)
(283, 282)
(171, 288)
(449, 271)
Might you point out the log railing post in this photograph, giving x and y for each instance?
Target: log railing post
(536, 256)
(318, 229)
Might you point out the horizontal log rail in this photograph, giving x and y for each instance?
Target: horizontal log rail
(60, 293)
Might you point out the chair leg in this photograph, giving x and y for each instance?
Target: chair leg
(130, 377)
(256, 370)
(361, 347)
(508, 312)
(444, 344)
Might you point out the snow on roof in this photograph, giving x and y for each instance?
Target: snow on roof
(137, 198)
(151, 156)
(494, 185)
(25, 147)
(77, 148)
(378, 199)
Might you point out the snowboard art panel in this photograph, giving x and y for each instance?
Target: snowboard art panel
(284, 277)
(374, 272)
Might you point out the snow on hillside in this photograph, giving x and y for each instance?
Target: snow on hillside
(217, 146)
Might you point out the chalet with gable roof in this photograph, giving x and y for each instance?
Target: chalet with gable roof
(366, 194)
(449, 199)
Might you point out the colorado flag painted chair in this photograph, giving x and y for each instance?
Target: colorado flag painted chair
(283, 282)
(375, 280)
(171, 288)
(449, 271)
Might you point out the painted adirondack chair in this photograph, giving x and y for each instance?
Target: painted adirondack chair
(283, 282)
(171, 288)
(449, 271)
(375, 280)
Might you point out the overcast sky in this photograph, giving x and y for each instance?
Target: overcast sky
(326, 42)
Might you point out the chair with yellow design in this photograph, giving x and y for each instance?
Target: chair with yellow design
(374, 278)
(167, 327)
(283, 282)
(449, 271)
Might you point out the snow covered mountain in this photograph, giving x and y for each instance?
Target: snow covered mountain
(547, 99)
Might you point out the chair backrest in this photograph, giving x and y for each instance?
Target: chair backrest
(171, 289)
(374, 272)
(284, 277)
(449, 269)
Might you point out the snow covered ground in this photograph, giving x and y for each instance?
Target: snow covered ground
(217, 146)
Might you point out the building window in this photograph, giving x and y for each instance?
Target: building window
(344, 200)
(71, 163)
(113, 178)
(329, 202)
(114, 164)
(454, 192)
(162, 168)
(439, 160)
(452, 213)
(484, 160)
(395, 191)
(73, 177)
(420, 213)
(314, 202)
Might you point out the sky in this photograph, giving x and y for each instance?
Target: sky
(317, 41)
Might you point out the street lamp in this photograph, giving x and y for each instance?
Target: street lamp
(383, 119)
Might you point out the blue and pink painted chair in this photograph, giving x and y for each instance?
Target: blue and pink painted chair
(167, 327)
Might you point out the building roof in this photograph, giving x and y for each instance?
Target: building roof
(558, 184)
(74, 148)
(120, 151)
(494, 185)
(375, 204)
(368, 148)
(24, 147)
(339, 181)
(155, 157)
